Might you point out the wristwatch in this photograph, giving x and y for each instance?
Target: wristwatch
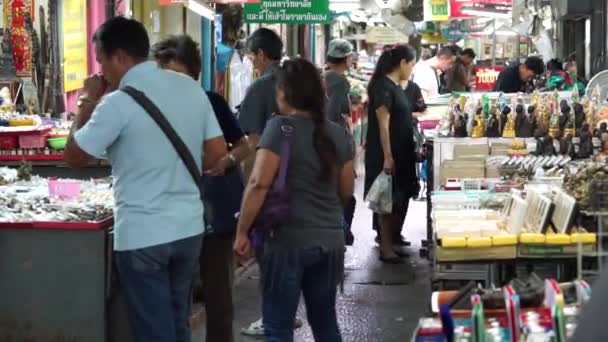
(84, 100)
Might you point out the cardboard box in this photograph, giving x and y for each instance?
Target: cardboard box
(500, 149)
(461, 169)
(470, 151)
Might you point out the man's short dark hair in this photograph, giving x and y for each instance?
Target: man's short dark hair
(336, 60)
(181, 49)
(120, 33)
(268, 41)
(536, 65)
(469, 52)
(445, 52)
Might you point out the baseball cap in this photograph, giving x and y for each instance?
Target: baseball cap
(339, 48)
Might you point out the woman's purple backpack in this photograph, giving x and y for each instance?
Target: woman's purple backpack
(275, 210)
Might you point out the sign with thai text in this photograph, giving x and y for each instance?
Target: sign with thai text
(436, 10)
(288, 12)
(74, 31)
(485, 77)
(385, 35)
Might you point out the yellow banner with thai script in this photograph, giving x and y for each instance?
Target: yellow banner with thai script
(74, 34)
(436, 10)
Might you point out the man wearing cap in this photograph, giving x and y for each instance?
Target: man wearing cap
(339, 60)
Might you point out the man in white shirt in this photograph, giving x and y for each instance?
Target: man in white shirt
(426, 72)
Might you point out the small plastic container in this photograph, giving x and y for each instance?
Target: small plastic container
(66, 189)
(8, 142)
(32, 141)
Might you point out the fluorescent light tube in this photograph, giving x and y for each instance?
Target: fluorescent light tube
(201, 9)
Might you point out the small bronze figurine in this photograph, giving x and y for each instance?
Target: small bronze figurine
(586, 143)
(523, 122)
(492, 131)
(567, 146)
(544, 143)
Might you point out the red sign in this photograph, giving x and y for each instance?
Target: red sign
(171, 2)
(485, 77)
(457, 5)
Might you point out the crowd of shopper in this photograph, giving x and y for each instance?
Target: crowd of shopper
(285, 162)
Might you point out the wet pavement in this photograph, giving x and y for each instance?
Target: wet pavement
(380, 302)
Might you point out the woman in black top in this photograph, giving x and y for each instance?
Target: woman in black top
(216, 261)
(390, 139)
(416, 100)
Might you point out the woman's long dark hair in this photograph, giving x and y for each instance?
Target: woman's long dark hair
(301, 82)
(390, 60)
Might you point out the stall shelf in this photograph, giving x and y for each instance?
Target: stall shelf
(438, 150)
(53, 166)
(56, 283)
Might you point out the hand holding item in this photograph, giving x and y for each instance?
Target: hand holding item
(242, 247)
(389, 165)
(95, 87)
(225, 163)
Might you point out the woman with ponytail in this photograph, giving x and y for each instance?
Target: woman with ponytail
(390, 140)
(305, 255)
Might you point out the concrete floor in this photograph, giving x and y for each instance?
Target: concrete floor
(380, 303)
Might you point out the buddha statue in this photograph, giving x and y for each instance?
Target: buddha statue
(544, 143)
(542, 115)
(554, 130)
(579, 116)
(523, 122)
(479, 128)
(567, 146)
(509, 129)
(493, 125)
(460, 124)
(586, 143)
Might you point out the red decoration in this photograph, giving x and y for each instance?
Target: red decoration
(22, 45)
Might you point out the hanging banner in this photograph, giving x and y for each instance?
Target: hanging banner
(456, 6)
(485, 77)
(74, 33)
(385, 35)
(436, 10)
(288, 12)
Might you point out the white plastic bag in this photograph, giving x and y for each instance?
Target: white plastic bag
(380, 195)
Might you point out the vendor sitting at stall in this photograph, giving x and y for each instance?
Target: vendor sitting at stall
(514, 77)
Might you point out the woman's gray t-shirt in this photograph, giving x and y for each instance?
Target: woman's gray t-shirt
(315, 208)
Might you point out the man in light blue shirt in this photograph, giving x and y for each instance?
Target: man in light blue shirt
(158, 214)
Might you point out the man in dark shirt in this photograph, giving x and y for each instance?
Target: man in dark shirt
(264, 49)
(513, 78)
(339, 55)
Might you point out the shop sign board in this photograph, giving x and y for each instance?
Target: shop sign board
(385, 36)
(288, 12)
(457, 5)
(74, 33)
(436, 10)
(485, 77)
